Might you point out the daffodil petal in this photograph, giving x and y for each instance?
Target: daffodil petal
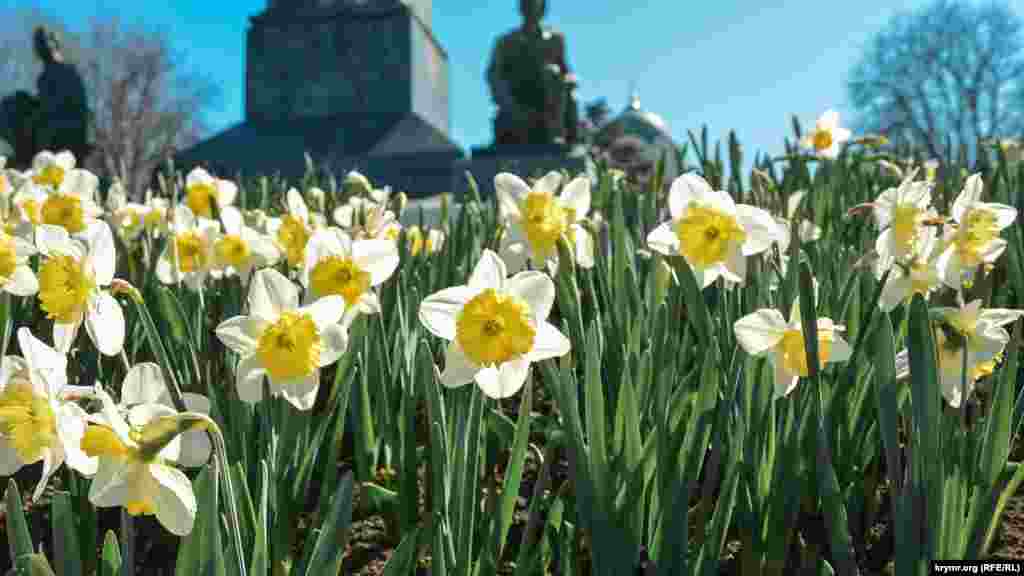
(249, 379)
(241, 333)
(509, 189)
(664, 240)
(489, 272)
(105, 324)
(536, 289)
(760, 331)
(510, 378)
(143, 384)
(71, 422)
(23, 282)
(378, 257)
(174, 502)
(333, 342)
(548, 342)
(576, 195)
(270, 292)
(439, 311)
(102, 254)
(458, 369)
(326, 311)
(299, 392)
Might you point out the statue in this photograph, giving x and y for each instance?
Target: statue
(56, 119)
(531, 83)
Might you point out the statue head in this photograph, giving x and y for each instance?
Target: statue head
(47, 45)
(533, 11)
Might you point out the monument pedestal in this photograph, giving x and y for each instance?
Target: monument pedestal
(525, 161)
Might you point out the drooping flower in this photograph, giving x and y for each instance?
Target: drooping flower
(766, 333)
(282, 341)
(293, 230)
(134, 452)
(337, 265)
(538, 218)
(827, 135)
(203, 191)
(240, 249)
(188, 255)
(711, 231)
(38, 420)
(73, 282)
(496, 327)
(974, 239)
(972, 331)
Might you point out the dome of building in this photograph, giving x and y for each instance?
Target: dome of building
(635, 141)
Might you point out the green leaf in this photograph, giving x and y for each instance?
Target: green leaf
(402, 560)
(110, 558)
(66, 549)
(18, 538)
(514, 471)
(333, 537)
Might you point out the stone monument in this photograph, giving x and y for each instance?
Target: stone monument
(356, 84)
(56, 119)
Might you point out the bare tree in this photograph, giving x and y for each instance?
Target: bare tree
(144, 104)
(950, 70)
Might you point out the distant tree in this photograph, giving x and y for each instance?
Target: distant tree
(145, 106)
(951, 69)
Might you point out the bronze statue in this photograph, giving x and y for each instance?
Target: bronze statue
(531, 83)
(56, 119)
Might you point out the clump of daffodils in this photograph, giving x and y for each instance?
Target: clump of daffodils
(711, 231)
(496, 327)
(827, 136)
(973, 238)
(766, 333)
(282, 341)
(537, 219)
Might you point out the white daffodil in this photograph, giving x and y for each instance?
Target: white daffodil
(538, 219)
(429, 244)
(282, 341)
(364, 218)
(241, 249)
(156, 219)
(827, 135)
(711, 231)
(974, 240)
(916, 273)
(16, 276)
(203, 191)
(901, 214)
(292, 230)
(767, 333)
(144, 384)
(73, 282)
(188, 255)
(336, 265)
(59, 194)
(133, 470)
(975, 332)
(38, 420)
(496, 327)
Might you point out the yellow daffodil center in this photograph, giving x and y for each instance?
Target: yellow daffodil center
(293, 236)
(544, 221)
(706, 235)
(3, 185)
(27, 421)
(64, 210)
(8, 257)
(339, 275)
(952, 342)
(793, 354)
(493, 328)
(822, 139)
(64, 288)
(102, 441)
(232, 250)
(191, 255)
(199, 198)
(51, 175)
(30, 207)
(290, 348)
(905, 227)
(415, 237)
(974, 235)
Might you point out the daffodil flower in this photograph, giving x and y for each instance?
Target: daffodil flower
(766, 333)
(134, 452)
(63, 195)
(496, 327)
(429, 244)
(240, 249)
(827, 135)
(972, 331)
(188, 255)
(72, 287)
(38, 422)
(364, 218)
(974, 240)
(144, 384)
(282, 341)
(901, 214)
(16, 276)
(711, 231)
(339, 266)
(538, 219)
(49, 169)
(203, 191)
(293, 230)
(915, 273)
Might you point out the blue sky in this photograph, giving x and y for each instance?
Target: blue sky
(739, 65)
